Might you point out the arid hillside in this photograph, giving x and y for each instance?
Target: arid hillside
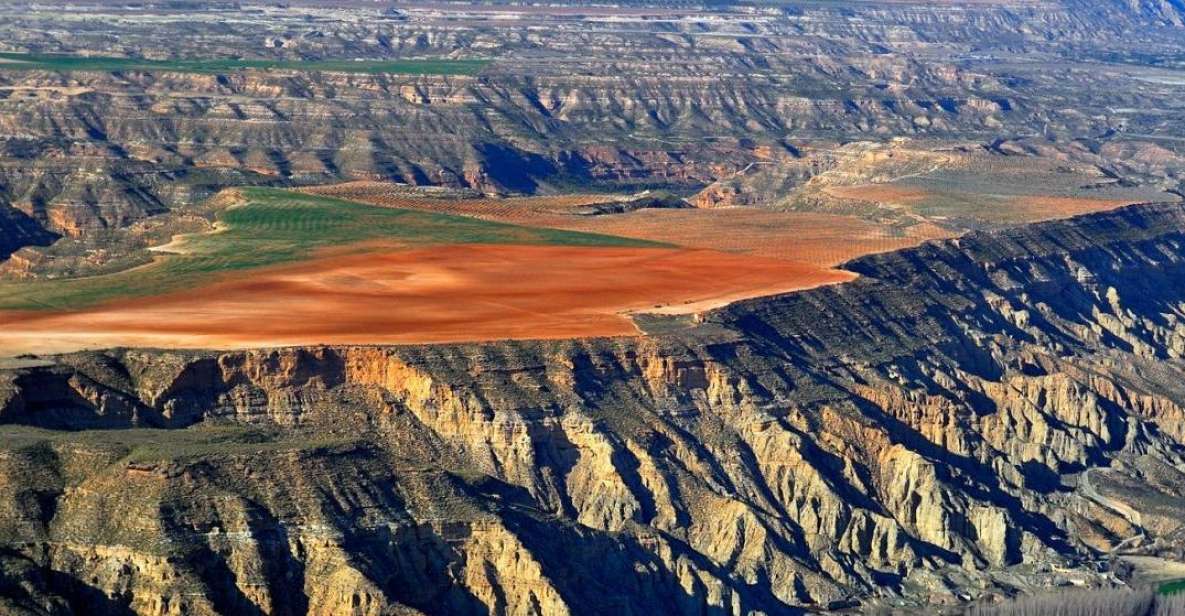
(638, 307)
(983, 416)
(674, 96)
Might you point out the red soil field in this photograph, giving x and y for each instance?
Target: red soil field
(823, 240)
(388, 295)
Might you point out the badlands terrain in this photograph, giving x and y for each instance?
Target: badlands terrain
(803, 306)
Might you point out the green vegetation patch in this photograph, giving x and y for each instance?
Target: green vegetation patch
(64, 62)
(276, 226)
(151, 445)
(1171, 588)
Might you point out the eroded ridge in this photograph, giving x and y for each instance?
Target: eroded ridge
(976, 409)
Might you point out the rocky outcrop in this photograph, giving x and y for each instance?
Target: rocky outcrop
(17, 230)
(966, 417)
(681, 101)
(645, 200)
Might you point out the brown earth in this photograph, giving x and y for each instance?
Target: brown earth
(824, 240)
(1010, 209)
(1043, 207)
(389, 294)
(438, 294)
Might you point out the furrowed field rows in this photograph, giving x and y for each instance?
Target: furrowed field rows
(821, 239)
(521, 210)
(273, 226)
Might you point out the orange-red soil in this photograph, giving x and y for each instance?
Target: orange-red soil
(824, 240)
(1039, 207)
(438, 294)
(388, 294)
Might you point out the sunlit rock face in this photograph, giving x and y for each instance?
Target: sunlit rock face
(963, 417)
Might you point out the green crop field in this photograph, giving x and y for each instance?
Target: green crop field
(62, 62)
(276, 226)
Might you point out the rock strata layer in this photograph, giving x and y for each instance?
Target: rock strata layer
(991, 414)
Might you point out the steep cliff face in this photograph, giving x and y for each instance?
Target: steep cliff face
(968, 417)
(18, 230)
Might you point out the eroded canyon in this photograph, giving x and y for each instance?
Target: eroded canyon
(964, 417)
(639, 307)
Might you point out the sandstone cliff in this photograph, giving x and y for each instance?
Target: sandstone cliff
(990, 414)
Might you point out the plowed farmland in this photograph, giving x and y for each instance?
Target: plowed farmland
(264, 227)
(391, 294)
(286, 268)
(815, 239)
(368, 262)
(328, 266)
(809, 238)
